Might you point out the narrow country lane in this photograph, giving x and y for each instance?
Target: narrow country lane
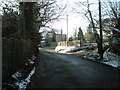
(54, 70)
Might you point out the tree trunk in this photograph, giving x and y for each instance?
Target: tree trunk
(96, 35)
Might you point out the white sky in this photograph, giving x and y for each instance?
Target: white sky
(74, 20)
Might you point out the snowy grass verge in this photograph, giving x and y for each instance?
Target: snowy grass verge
(109, 58)
(22, 84)
(64, 49)
(92, 56)
(21, 78)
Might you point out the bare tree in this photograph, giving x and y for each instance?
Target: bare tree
(48, 11)
(86, 12)
(111, 12)
(112, 23)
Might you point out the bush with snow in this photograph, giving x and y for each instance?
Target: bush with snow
(115, 45)
(20, 79)
(22, 84)
(92, 56)
(111, 58)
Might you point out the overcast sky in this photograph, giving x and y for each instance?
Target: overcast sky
(74, 20)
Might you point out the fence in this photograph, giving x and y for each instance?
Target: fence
(69, 43)
(76, 43)
(15, 53)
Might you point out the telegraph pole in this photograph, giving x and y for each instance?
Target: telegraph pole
(67, 27)
(67, 30)
(61, 34)
(100, 24)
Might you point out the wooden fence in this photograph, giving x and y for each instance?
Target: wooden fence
(76, 43)
(15, 53)
(69, 43)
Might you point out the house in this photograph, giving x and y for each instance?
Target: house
(52, 35)
(60, 37)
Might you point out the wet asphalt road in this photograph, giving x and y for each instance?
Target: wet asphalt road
(55, 70)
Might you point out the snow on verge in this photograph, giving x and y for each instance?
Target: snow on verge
(111, 59)
(64, 49)
(92, 56)
(17, 80)
(16, 75)
(22, 84)
(31, 61)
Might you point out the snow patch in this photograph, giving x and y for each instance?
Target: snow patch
(34, 57)
(111, 59)
(22, 84)
(63, 49)
(112, 63)
(116, 41)
(16, 75)
(92, 56)
(82, 51)
(17, 80)
(30, 61)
